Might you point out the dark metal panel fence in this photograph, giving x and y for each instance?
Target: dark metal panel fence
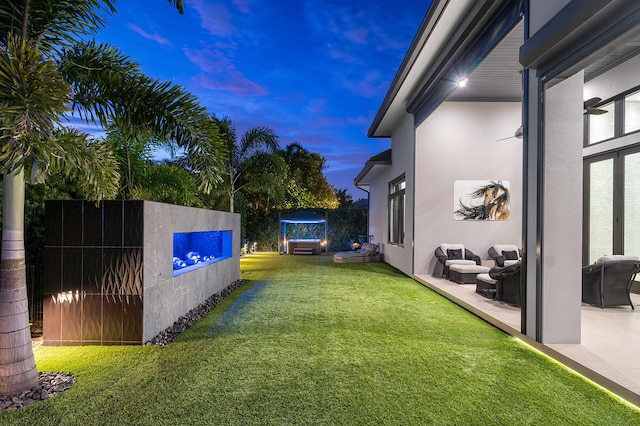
(34, 293)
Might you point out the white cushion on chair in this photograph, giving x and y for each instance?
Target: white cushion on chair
(505, 247)
(446, 247)
(614, 257)
(450, 262)
(486, 278)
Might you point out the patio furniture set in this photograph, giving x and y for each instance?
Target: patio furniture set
(605, 283)
(500, 281)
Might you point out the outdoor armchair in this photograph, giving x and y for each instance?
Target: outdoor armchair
(505, 255)
(507, 283)
(453, 254)
(608, 281)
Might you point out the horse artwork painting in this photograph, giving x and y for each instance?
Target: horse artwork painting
(481, 200)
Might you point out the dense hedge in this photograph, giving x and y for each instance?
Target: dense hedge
(345, 227)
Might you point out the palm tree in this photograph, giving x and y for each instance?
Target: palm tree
(39, 40)
(252, 164)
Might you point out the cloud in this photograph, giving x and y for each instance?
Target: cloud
(233, 82)
(242, 5)
(359, 28)
(208, 60)
(215, 18)
(342, 54)
(365, 121)
(371, 84)
(151, 36)
(316, 106)
(219, 73)
(357, 35)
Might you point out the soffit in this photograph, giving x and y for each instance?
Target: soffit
(440, 22)
(369, 171)
(498, 77)
(621, 54)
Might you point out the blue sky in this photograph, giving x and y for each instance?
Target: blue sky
(315, 71)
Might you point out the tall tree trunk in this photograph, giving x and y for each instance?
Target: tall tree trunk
(232, 189)
(17, 366)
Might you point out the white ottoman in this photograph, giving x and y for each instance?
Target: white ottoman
(486, 286)
(450, 262)
(466, 274)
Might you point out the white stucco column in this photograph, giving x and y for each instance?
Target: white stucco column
(561, 212)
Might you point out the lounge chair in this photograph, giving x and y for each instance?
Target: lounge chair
(453, 254)
(608, 281)
(501, 283)
(367, 253)
(507, 283)
(505, 255)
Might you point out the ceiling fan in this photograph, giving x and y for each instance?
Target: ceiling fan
(518, 135)
(590, 109)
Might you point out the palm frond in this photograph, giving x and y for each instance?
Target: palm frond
(178, 4)
(167, 183)
(54, 23)
(94, 72)
(89, 162)
(206, 159)
(33, 97)
(258, 139)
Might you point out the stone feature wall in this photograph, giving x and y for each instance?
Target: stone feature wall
(166, 297)
(109, 271)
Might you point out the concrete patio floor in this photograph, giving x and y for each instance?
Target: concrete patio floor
(610, 345)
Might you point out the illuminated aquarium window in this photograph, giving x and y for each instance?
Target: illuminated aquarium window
(193, 250)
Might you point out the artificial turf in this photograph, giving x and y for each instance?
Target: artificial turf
(306, 341)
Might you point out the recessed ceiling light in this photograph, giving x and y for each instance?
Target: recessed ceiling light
(463, 82)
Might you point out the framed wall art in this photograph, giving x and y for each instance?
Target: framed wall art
(481, 200)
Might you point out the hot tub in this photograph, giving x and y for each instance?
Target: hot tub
(304, 246)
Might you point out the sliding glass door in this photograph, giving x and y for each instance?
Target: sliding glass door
(632, 203)
(612, 205)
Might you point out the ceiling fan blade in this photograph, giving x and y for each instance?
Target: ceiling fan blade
(595, 111)
(591, 102)
(517, 135)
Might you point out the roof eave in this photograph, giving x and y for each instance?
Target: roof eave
(382, 159)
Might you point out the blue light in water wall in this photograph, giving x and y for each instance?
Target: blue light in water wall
(192, 250)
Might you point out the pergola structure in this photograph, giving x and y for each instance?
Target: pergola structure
(302, 245)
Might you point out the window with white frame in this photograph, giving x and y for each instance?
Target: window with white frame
(396, 210)
(632, 112)
(602, 126)
(613, 118)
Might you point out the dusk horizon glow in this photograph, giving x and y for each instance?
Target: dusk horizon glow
(314, 71)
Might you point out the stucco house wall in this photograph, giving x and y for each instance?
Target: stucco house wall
(459, 141)
(402, 146)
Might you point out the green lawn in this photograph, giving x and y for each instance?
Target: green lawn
(306, 341)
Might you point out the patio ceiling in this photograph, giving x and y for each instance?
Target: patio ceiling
(621, 54)
(498, 77)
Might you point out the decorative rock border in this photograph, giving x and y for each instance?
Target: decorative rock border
(50, 385)
(184, 322)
